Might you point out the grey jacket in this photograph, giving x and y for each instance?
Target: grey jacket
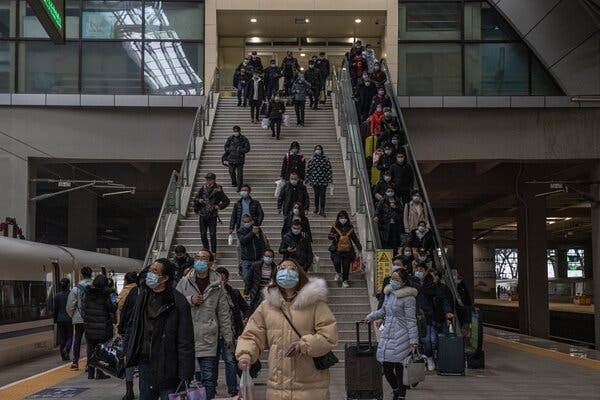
(74, 302)
(301, 90)
(400, 326)
(210, 317)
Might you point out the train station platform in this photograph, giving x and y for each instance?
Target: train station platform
(560, 307)
(517, 367)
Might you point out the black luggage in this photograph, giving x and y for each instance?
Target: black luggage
(109, 357)
(451, 353)
(363, 372)
(475, 353)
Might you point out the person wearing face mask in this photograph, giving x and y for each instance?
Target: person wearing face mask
(422, 238)
(204, 291)
(240, 82)
(301, 89)
(341, 250)
(252, 246)
(313, 76)
(289, 68)
(400, 334)
(236, 148)
(297, 214)
(380, 99)
(255, 63)
(375, 121)
(272, 74)
(245, 64)
(296, 245)
(384, 182)
(403, 176)
(406, 254)
(294, 191)
(387, 160)
(397, 264)
(357, 69)
(182, 261)
(246, 205)
(275, 112)
(319, 175)
(208, 201)
(161, 334)
(357, 49)
(370, 58)
(377, 75)
(292, 372)
(293, 161)
(322, 64)
(256, 94)
(365, 94)
(415, 211)
(261, 274)
(389, 219)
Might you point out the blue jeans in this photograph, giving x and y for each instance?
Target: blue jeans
(228, 356)
(129, 373)
(149, 386)
(246, 265)
(430, 340)
(208, 374)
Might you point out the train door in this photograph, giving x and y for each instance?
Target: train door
(53, 290)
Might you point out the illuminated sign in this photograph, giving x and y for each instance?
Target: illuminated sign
(51, 14)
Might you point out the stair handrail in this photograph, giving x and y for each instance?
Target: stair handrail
(348, 118)
(172, 206)
(439, 254)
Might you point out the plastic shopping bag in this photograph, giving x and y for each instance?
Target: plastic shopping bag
(316, 264)
(286, 120)
(246, 386)
(231, 239)
(265, 123)
(279, 184)
(190, 393)
(358, 266)
(331, 190)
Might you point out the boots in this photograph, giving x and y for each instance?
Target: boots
(91, 372)
(128, 391)
(322, 212)
(398, 396)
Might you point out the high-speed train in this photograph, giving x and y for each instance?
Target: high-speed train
(29, 277)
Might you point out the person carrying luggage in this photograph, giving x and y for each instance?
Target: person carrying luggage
(275, 113)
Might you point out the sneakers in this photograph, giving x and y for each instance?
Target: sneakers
(430, 364)
(74, 367)
(345, 284)
(337, 277)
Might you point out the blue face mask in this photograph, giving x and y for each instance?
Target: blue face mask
(419, 274)
(267, 260)
(318, 152)
(152, 280)
(395, 284)
(247, 224)
(200, 266)
(296, 231)
(244, 194)
(422, 258)
(389, 194)
(287, 279)
(407, 253)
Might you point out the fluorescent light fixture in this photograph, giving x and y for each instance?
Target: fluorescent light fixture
(301, 68)
(255, 39)
(358, 20)
(253, 20)
(302, 55)
(307, 20)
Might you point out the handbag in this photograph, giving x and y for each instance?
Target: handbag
(279, 184)
(414, 369)
(323, 362)
(109, 357)
(190, 393)
(265, 123)
(286, 120)
(357, 266)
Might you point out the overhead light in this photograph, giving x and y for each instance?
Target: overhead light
(301, 68)
(358, 20)
(307, 20)
(255, 39)
(302, 55)
(568, 219)
(253, 20)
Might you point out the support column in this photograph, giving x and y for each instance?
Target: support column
(82, 220)
(463, 247)
(596, 250)
(533, 271)
(561, 263)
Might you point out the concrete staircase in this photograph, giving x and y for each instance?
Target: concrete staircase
(262, 168)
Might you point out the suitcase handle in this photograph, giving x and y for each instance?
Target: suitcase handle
(370, 325)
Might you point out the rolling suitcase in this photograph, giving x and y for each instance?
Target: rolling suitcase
(363, 372)
(451, 354)
(475, 353)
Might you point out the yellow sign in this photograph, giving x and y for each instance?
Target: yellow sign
(384, 267)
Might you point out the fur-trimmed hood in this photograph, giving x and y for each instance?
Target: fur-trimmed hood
(315, 290)
(402, 292)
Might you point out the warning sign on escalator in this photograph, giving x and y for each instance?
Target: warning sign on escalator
(384, 267)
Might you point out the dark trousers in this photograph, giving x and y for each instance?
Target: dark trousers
(150, 388)
(393, 374)
(276, 126)
(90, 346)
(299, 107)
(236, 172)
(255, 109)
(342, 266)
(320, 196)
(314, 98)
(64, 332)
(272, 87)
(392, 240)
(208, 224)
(288, 81)
(241, 95)
(77, 337)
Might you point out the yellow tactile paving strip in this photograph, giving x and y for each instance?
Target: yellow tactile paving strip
(39, 382)
(555, 355)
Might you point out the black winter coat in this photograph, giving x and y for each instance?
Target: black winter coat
(172, 342)
(293, 163)
(386, 161)
(239, 309)
(60, 308)
(276, 109)
(99, 313)
(272, 74)
(313, 76)
(252, 246)
(209, 197)
(385, 213)
(291, 194)
(256, 64)
(365, 94)
(323, 66)
(385, 101)
(256, 212)
(253, 288)
(303, 253)
(290, 67)
(334, 236)
(426, 242)
(380, 189)
(403, 176)
(289, 219)
(262, 94)
(181, 264)
(378, 77)
(236, 149)
(239, 78)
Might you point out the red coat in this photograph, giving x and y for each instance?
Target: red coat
(359, 66)
(376, 123)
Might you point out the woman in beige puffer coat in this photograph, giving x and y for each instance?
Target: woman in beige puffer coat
(291, 377)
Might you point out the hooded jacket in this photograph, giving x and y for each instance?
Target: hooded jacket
(99, 313)
(294, 378)
(400, 327)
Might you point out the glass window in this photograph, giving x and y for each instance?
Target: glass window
(7, 67)
(7, 18)
(429, 21)
(429, 69)
(483, 22)
(507, 263)
(552, 263)
(112, 20)
(173, 68)
(174, 20)
(22, 301)
(48, 68)
(542, 83)
(496, 69)
(31, 27)
(575, 263)
(111, 68)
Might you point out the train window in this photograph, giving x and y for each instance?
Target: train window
(22, 301)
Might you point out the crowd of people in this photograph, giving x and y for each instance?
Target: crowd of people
(178, 318)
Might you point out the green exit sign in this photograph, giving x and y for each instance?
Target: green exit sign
(51, 14)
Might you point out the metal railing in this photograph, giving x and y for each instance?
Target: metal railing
(174, 203)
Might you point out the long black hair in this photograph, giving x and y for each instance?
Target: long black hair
(343, 213)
